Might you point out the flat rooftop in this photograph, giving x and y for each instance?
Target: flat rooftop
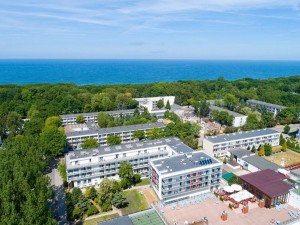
(268, 181)
(123, 111)
(241, 152)
(172, 142)
(253, 101)
(183, 162)
(241, 135)
(111, 130)
(231, 113)
(261, 163)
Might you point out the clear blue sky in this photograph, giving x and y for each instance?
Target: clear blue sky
(163, 29)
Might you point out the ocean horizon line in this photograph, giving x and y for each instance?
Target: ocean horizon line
(145, 59)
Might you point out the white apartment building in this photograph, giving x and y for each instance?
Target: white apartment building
(70, 119)
(185, 175)
(151, 103)
(220, 144)
(275, 109)
(88, 167)
(75, 138)
(239, 120)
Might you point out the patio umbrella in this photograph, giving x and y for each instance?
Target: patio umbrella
(228, 189)
(237, 187)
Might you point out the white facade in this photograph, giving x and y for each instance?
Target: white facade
(151, 103)
(239, 120)
(76, 138)
(220, 144)
(70, 119)
(275, 109)
(88, 167)
(190, 179)
(294, 199)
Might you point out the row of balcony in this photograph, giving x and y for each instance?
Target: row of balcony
(129, 159)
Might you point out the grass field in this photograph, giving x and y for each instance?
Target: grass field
(144, 181)
(136, 202)
(100, 219)
(284, 158)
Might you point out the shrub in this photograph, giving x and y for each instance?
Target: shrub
(106, 207)
(230, 206)
(136, 178)
(92, 210)
(76, 213)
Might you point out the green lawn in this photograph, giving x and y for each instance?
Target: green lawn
(100, 219)
(143, 182)
(136, 202)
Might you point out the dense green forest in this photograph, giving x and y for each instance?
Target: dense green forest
(28, 146)
(56, 99)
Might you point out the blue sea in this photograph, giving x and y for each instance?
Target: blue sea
(84, 72)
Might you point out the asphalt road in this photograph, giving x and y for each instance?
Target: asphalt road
(60, 201)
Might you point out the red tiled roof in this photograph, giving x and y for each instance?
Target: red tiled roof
(268, 181)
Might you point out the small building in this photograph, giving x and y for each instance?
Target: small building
(239, 153)
(275, 109)
(268, 185)
(184, 175)
(220, 145)
(256, 163)
(151, 103)
(238, 119)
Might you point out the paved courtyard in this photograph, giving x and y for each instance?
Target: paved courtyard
(213, 208)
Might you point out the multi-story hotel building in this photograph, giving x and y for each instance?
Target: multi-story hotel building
(70, 119)
(89, 167)
(219, 145)
(151, 103)
(75, 138)
(185, 175)
(275, 109)
(238, 119)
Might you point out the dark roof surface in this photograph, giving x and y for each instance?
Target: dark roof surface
(124, 220)
(241, 152)
(173, 142)
(119, 129)
(234, 114)
(241, 135)
(268, 181)
(261, 163)
(184, 162)
(253, 101)
(124, 111)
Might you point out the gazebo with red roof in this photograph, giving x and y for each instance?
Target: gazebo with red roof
(268, 185)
